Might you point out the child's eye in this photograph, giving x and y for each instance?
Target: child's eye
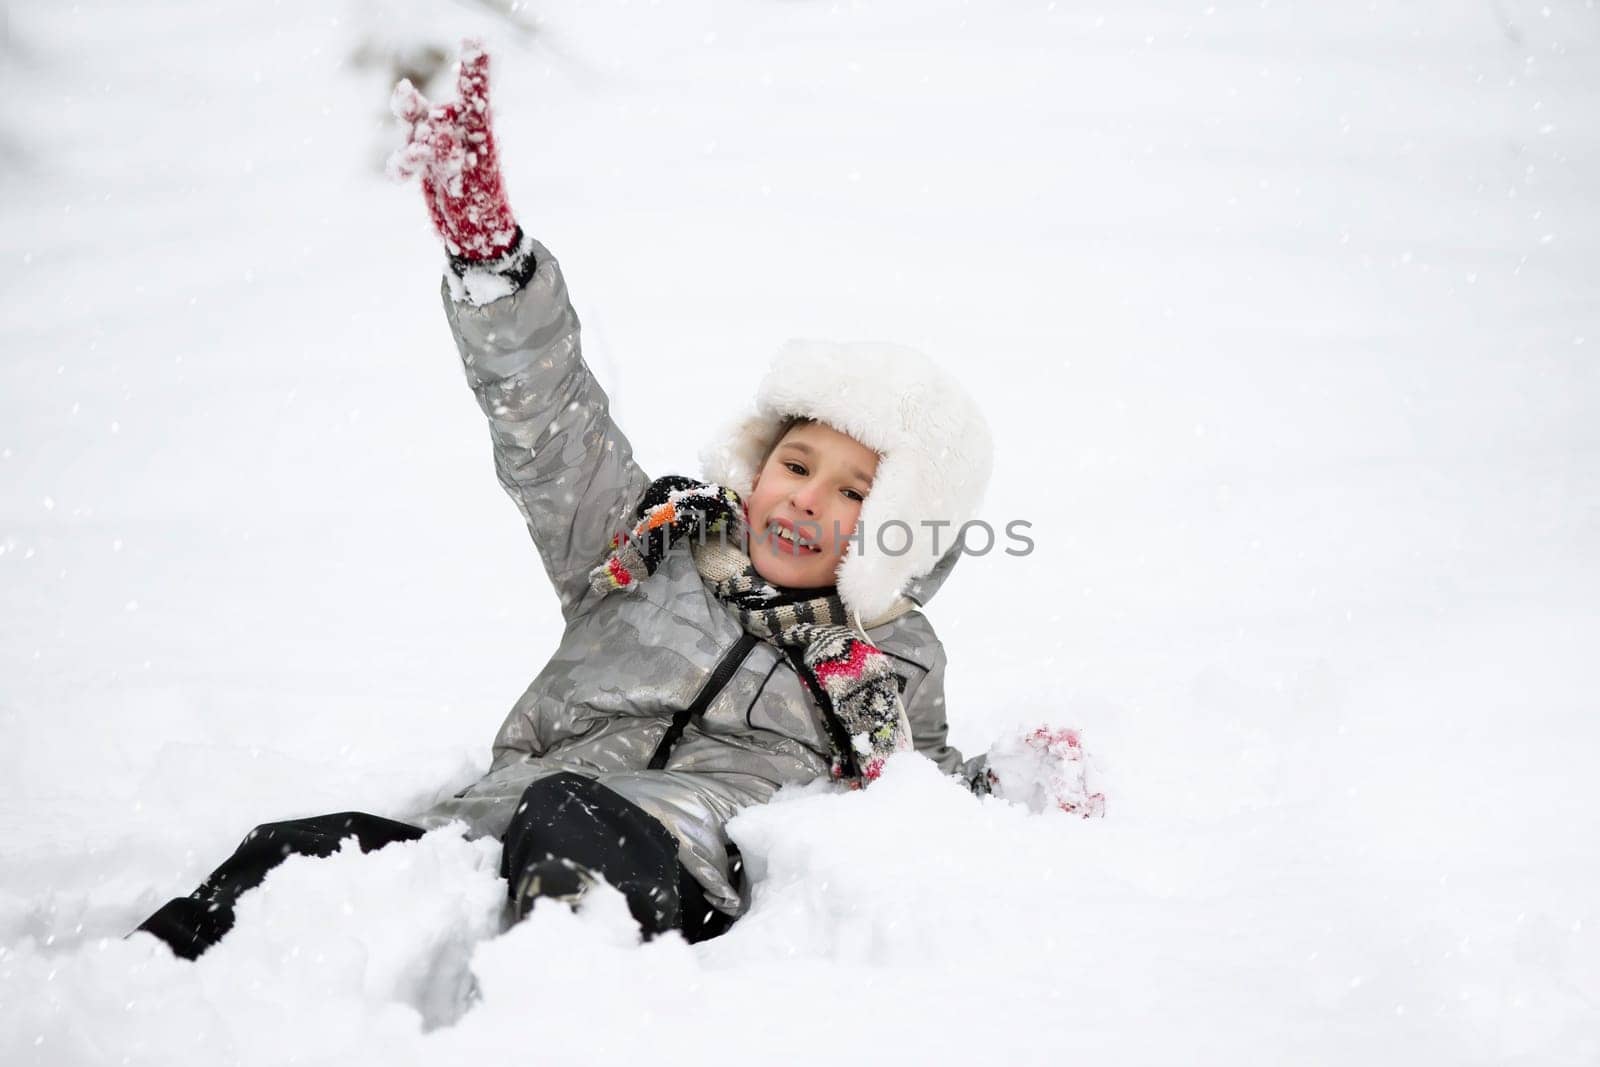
(795, 468)
(853, 495)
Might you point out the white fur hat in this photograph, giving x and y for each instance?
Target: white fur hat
(935, 447)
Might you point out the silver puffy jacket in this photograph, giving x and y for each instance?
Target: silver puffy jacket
(629, 661)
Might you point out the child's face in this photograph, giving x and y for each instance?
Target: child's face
(812, 484)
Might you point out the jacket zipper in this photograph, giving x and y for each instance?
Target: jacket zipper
(720, 675)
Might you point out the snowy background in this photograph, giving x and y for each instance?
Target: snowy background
(1287, 318)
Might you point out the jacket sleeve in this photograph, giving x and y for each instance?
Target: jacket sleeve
(557, 452)
(924, 702)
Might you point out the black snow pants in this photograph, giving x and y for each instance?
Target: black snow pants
(564, 816)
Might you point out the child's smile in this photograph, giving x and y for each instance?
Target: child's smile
(791, 540)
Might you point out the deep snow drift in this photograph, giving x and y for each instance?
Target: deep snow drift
(1284, 315)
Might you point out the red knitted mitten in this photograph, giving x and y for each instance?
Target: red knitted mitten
(1046, 769)
(452, 147)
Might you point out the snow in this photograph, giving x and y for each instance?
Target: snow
(1283, 315)
(478, 287)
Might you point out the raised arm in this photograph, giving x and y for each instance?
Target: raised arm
(559, 455)
(557, 451)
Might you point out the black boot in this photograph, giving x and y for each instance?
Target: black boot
(550, 879)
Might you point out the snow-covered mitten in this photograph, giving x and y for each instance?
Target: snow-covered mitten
(451, 147)
(1045, 768)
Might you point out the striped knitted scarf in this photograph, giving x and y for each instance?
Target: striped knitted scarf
(846, 674)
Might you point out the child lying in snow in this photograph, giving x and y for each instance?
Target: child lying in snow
(722, 639)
